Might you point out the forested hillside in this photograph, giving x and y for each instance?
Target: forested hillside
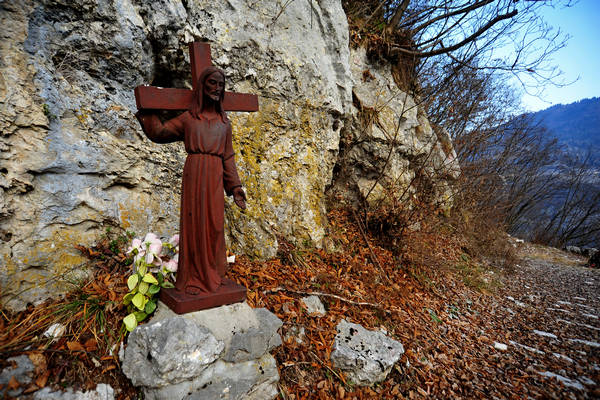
(554, 198)
(575, 125)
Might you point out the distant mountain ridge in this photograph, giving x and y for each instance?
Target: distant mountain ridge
(575, 125)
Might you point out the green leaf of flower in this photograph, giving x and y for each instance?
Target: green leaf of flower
(143, 288)
(140, 316)
(127, 298)
(150, 278)
(150, 307)
(132, 281)
(160, 277)
(142, 269)
(130, 322)
(168, 285)
(153, 289)
(139, 301)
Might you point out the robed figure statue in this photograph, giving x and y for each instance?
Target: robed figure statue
(209, 170)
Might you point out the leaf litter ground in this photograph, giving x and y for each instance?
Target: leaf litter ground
(545, 311)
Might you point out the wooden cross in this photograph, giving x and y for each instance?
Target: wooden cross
(156, 98)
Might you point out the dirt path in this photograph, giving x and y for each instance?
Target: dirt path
(549, 312)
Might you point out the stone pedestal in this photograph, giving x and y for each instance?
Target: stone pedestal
(220, 353)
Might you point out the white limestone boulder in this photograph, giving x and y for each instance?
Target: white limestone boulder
(366, 357)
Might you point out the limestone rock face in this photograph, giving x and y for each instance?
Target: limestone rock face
(217, 353)
(388, 140)
(365, 356)
(74, 159)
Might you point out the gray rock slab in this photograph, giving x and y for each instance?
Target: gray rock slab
(102, 392)
(220, 353)
(365, 356)
(257, 340)
(255, 379)
(169, 351)
(246, 333)
(313, 305)
(21, 372)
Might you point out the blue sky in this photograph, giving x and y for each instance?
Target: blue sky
(580, 58)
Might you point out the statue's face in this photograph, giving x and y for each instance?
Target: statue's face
(214, 85)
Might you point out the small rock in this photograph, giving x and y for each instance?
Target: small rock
(55, 331)
(500, 346)
(589, 251)
(545, 334)
(313, 305)
(365, 356)
(296, 332)
(573, 249)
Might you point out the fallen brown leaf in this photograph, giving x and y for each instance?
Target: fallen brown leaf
(39, 362)
(30, 389)
(91, 344)
(13, 383)
(42, 379)
(75, 346)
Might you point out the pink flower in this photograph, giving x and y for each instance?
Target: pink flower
(154, 246)
(171, 265)
(136, 244)
(151, 237)
(174, 241)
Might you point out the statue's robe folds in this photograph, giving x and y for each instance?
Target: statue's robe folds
(209, 169)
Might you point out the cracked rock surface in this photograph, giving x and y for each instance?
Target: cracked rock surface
(366, 357)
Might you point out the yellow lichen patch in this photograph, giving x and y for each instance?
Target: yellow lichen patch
(60, 249)
(9, 264)
(124, 216)
(82, 115)
(144, 212)
(49, 265)
(285, 165)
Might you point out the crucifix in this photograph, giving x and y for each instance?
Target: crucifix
(209, 171)
(156, 98)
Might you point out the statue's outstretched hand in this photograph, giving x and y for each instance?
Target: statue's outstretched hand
(239, 197)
